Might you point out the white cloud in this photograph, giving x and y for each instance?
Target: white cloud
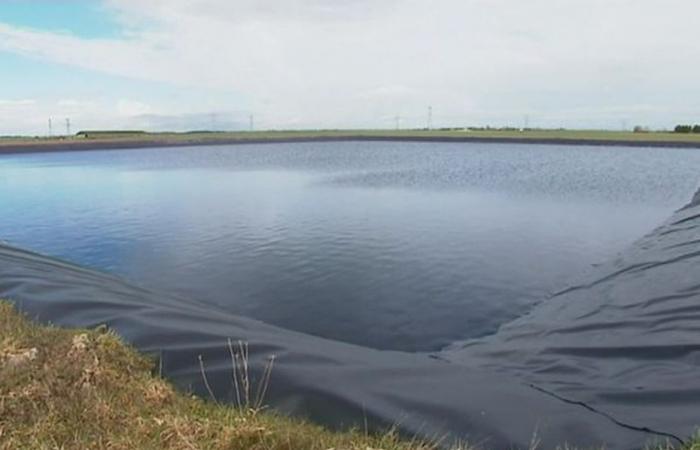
(316, 63)
(75, 103)
(127, 107)
(7, 104)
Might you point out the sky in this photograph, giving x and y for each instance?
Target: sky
(294, 64)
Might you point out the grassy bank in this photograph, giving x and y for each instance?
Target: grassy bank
(127, 138)
(80, 389)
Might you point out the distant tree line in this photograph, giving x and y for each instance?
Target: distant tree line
(687, 129)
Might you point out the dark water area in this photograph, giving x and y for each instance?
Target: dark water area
(406, 246)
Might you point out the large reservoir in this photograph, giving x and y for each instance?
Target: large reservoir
(390, 245)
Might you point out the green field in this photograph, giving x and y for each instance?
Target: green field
(242, 136)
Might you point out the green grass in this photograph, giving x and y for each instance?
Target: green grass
(212, 137)
(80, 389)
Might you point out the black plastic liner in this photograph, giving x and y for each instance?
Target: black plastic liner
(613, 362)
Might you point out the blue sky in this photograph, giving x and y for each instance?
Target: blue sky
(85, 18)
(172, 64)
(60, 91)
(43, 88)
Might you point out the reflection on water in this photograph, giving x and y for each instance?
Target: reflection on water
(406, 246)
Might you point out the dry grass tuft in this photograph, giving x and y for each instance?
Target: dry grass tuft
(68, 389)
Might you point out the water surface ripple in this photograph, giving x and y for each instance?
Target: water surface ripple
(406, 246)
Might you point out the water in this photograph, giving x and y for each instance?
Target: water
(406, 246)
